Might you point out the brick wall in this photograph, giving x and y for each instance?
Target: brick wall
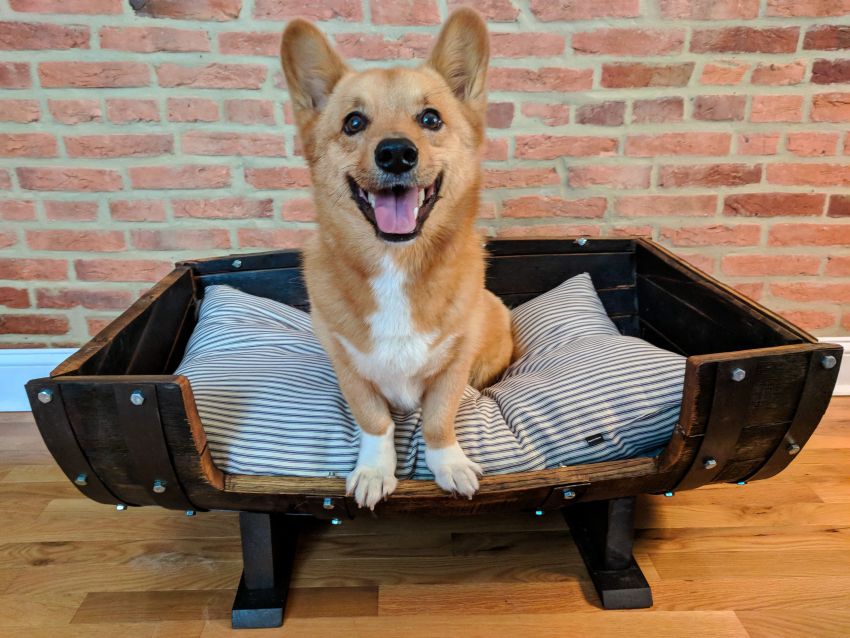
(129, 140)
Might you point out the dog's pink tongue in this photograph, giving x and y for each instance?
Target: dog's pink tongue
(395, 213)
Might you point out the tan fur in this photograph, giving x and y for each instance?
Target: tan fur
(444, 266)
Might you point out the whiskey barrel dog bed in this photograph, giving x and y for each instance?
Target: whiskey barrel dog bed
(126, 429)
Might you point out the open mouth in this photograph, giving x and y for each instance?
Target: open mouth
(396, 213)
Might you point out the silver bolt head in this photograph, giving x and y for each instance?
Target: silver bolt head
(82, 479)
(709, 463)
(336, 521)
(158, 487)
(328, 503)
(120, 507)
(569, 495)
(829, 362)
(668, 494)
(45, 396)
(581, 241)
(793, 448)
(738, 374)
(190, 512)
(136, 397)
(538, 512)
(237, 263)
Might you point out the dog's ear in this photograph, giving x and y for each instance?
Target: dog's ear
(311, 66)
(461, 56)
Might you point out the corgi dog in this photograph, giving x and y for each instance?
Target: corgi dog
(395, 273)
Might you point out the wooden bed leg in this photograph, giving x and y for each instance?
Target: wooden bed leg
(268, 548)
(603, 531)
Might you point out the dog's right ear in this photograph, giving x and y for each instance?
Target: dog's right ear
(311, 66)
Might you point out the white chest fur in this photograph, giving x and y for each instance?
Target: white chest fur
(400, 356)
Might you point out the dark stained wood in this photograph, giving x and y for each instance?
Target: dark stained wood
(250, 261)
(285, 285)
(511, 247)
(540, 273)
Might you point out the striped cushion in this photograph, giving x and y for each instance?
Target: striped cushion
(580, 393)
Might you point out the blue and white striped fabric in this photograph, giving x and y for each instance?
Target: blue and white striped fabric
(580, 393)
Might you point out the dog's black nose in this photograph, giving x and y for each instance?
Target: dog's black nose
(396, 155)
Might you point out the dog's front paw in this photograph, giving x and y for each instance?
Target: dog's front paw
(370, 485)
(453, 471)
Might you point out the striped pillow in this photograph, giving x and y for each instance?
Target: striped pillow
(580, 393)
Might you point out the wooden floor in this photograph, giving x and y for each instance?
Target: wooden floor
(765, 560)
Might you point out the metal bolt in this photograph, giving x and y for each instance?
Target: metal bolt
(709, 463)
(136, 397)
(669, 494)
(45, 396)
(328, 503)
(742, 482)
(792, 449)
(336, 521)
(237, 263)
(581, 241)
(829, 362)
(190, 512)
(569, 494)
(738, 374)
(538, 512)
(159, 486)
(82, 479)
(120, 507)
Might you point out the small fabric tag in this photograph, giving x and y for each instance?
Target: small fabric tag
(595, 439)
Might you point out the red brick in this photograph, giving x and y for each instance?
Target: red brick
(751, 289)
(603, 114)
(758, 143)
(767, 265)
(28, 145)
(520, 177)
(811, 144)
(808, 291)
(831, 107)
(630, 231)
(213, 10)
(492, 10)
(723, 73)
(88, 75)
(543, 79)
(549, 114)
(14, 297)
(22, 36)
(774, 204)
(224, 143)
(536, 206)
(212, 76)
(406, 12)
(327, 10)
(153, 39)
(78, 240)
(809, 174)
(250, 111)
(719, 108)
(137, 210)
(809, 235)
(69, 179)
(495, 150)
(83, 297)
(709, 175)
(189, 109)
(548, 231)
(839, 206)
(629, 41)
(224, 208)
(777, 108)
(552, 146)
(609, 175)
(710, 9)
(779, 74)
(19, 111)
(179, 176)
(715, 235)
(38, 269)
(827, 37)
(639, 75)
(666, 205)
(830, 72)
(148, 270)
(179, 239)
(126, 111)
(807, 8)
(5, 180)
(8, 238)
(837, 266)
(249, 43)
(665, 109)
(12, 210)
(108, 146)
(90, 7)
(65, 211)
(809, 319)
(15, 75)
(74, 111)
(298, 210)
(375, 46)
(745, 40)
(500, 114)
(33, 324)
(96, 325)
(278, 178)
(548, 11)
(276, 238)
(522, 45)
(678, 144)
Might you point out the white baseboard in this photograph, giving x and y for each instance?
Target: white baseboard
(19, 366)
(842, 386)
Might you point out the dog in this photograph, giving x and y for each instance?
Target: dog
(395, 273)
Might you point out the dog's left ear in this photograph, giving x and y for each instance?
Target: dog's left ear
(461, 56)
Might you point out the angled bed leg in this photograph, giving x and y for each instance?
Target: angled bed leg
(603, 531)
(268, 548)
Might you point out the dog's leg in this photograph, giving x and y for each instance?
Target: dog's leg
(496, 349)
(453, 471)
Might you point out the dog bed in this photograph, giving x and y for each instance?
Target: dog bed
(581, 393)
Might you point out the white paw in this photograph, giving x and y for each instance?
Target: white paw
(453, 471)
(373, 479)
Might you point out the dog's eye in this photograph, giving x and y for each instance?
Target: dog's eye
(354, 123)
(430, 119)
